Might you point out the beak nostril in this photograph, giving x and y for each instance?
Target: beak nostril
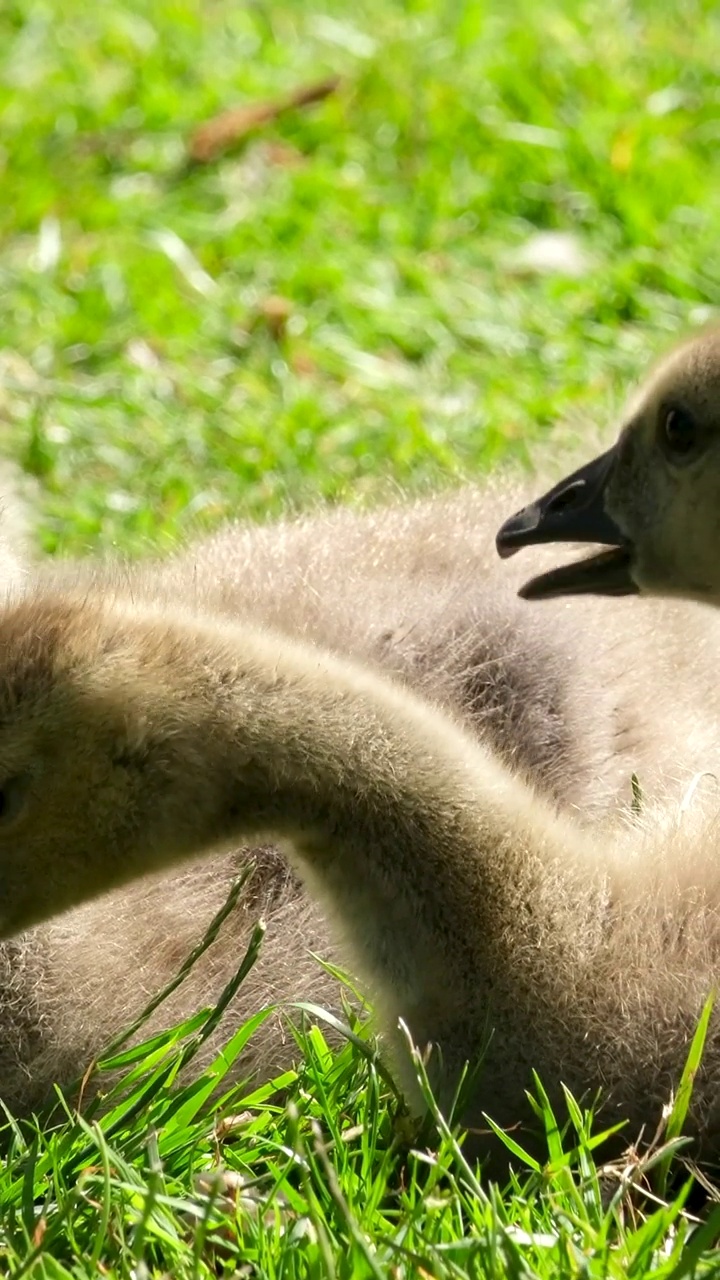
(569, 497)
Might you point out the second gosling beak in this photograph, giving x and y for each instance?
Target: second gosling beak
(573, 511)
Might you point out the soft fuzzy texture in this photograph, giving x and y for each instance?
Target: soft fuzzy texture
(468, 846)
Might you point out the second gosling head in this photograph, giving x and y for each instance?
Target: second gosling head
(653, 499)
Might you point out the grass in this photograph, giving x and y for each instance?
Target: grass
(327, 1184)
(147, 386)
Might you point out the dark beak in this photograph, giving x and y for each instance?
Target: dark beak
(573, 511)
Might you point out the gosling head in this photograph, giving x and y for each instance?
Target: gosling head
(89, 756)
(653, 499)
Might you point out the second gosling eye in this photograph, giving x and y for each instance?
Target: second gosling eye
(679, 433)
(13, 794)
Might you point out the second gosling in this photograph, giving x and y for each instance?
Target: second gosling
(653, 498)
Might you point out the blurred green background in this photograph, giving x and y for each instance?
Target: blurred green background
(150, 378)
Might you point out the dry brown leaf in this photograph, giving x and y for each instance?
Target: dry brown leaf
(276, 311)
(232, 127)
(39, 1232)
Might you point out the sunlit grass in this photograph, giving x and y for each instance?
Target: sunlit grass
(145, 394)
(325, 1183)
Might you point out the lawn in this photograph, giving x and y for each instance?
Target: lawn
(355, 296)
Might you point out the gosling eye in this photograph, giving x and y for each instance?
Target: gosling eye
(13, 797)
(679, 434)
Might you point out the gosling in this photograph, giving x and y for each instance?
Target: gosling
(494, 926)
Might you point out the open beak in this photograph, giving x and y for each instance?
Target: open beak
(573, 511)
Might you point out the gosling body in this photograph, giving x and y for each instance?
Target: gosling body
(547, 728)
(492, 924)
